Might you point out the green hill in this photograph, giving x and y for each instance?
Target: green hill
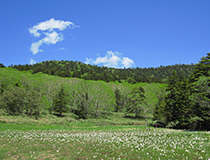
(101, 96)
(93, 72)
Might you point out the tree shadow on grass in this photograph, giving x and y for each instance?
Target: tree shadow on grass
(59, 115)
(133, 117)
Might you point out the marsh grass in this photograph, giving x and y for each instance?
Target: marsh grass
(95, 142)
(110, 118)
(109, 137)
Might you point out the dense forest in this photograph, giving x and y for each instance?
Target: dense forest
(186, 102)
(93, 72)
(177, 96)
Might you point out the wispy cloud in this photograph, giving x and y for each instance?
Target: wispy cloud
(32, 61)
(60, 49)
(112, 59)
(51, 30)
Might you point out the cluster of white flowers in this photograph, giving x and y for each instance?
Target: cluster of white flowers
(118, 144)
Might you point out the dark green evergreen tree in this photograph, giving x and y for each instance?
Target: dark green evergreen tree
(60, 102)
(130, 80)
(83, 105)
(1, 65)
(177, 101)
(201, 69)
(201, 104)
(118, 100)
(137, 99)
(200, 87)
(159, 111)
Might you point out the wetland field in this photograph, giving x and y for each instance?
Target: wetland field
(95, 142)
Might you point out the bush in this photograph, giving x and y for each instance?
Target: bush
(160, 124)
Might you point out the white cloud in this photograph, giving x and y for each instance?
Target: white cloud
(61, 49)
(32, 61)
(127, 62)
(35, 47)
(89, 61)
(52, 37)
(112, 59)
(48, 28)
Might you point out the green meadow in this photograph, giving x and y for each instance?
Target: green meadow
(87, 141)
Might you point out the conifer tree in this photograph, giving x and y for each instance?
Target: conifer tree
(201, 103)
(118, 100)
(60, 102)
(177, 100)
(137, 99)
(201, 69)
(200, 83)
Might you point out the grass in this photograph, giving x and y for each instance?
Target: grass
(109, 137)
(91, 142)
(111, 118)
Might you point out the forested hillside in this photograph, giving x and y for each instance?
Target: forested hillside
(22, 92)
(181, 103)
(92, 72)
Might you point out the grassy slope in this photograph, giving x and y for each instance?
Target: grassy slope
(49, 83)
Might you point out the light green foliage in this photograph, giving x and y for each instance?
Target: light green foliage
(101, 96)
(14, 100)
(159, 110)
(91, 98)
(34, 102)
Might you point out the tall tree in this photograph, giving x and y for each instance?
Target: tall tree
(201, 69)
(1, 65)
(118, 100)
(201, 103)
(200, 82)
(84, 99)
(100, 99)
(158, 113)
(177, 100)
(137, 99)
(60, 102)
(34, 102)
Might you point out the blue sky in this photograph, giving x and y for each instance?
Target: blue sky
(113, 33)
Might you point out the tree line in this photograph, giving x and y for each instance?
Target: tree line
(93, 72)
(186, 101)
